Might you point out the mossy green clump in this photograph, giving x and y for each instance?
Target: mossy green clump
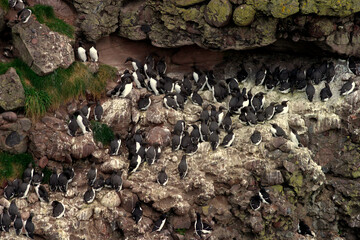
(218, 12)
(180, 231)
(191, 14)
(278, 188)
(61, 86)
(296, 181)
(102, 132)
(4, 4)
(45, 14)
(284, 8)
(339, 8)
(244, 15)
(356, 174)
(12, 166)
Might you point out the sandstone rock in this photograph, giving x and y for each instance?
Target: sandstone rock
(114, 163)
(218, 12)
(9, 116)
(50, 51)
(273, 178)
(111, 199)
(244, 15)
(43, 162)
(97, 20)
(12, 94)
(160, 135)
(84, 214)
(156, 113)
(117, 114)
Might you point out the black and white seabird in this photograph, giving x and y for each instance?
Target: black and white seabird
(139, 79)
(310, 91)
(37, 177)
(115, 145)
(325, 93)
(93, 54)
(5, 220)
(304, 229)
(13, 210)
(214, 140)
(150, 155)
(116, 181)
(250, 116)
(201, 227)
(282, 108)
(144, 102)
(256, 137)
(159, 224)
(233, 85)
(161, 66)
(347, 88)
(242, 74)
(58, 209)
(134, 163)
(98, 111)
(85, 110)
(196, 98)
(99, 183)
(81, 53)
(24, 188)
(192, 148)
(213, 125)
(91, 175)
(264, 195)
(89, 195)
(228, 139)
(18, 224)
(255, 202)
(204, 131)
(9, 191)
(135, 63)
(63, 182)
(169, 101)
(125, 88)
(162, 177)
(219, 91)
(294, 137)
(137, 212)
(69, 173)
(42, 194)
(24, 15)
(12, 3)
(179, 127)
(330, 72)
(277, 131)
(257, 102)
(30, 227)
(82, 121)
(195, 134)
(29, 172)
(285, 87)
(53, 181)
(183, 167)
(227, 122)
(260, 76)
(175, 142)
(72, 126)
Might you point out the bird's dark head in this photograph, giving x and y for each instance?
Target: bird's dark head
(129, 59)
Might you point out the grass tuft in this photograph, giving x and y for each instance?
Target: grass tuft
(181, 231)
(63, 85)
(45, 14)
(102, 133)
(4, 5)
(13, 166)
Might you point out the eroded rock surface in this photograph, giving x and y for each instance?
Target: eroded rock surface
(41, 49)
(12, 94)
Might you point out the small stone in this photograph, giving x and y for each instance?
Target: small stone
(84, 214)
(9, 116)
(160, 135)
(34, 41)
(244, 15)
(111, 199)
(13, 139)
(113, 164)
(32, 198)
(43, 162)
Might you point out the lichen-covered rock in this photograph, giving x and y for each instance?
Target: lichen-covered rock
(244, 15)
(41, 49)
(330, 8)
(185, 3)
(218, 12)
(117, 114)
(283, 8)
(98, 19)
(12, 94)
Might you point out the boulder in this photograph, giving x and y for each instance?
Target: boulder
(41, 49)
(218, 12)
(97, 20)
(12, 94)
(244, 15)
(117, 114)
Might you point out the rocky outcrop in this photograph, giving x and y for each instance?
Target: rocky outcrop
(14, 131)
(12, 94)
(49, 138)
(41, 49)
(98, 19)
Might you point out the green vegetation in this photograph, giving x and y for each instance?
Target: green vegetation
(102, 132)
(62, 86)
(181, 231)
(13, 166)
(4, 5)
(45, 14)
(47, 173)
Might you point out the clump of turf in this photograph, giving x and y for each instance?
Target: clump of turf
(45, 14)
(4, 5)
(13, 165)
(102, 132)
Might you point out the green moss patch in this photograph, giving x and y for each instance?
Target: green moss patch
(180, 231)
(13, 166)
(45, 14)
(102, 132)
(4, 5)
(63, 85)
